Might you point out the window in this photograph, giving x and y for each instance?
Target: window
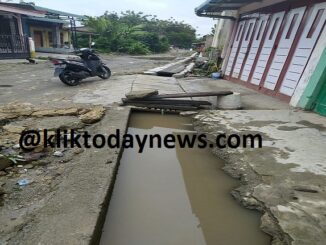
(240, 30)
(260, 30)
(315, 23)
(294, 20)
(249, 31)
(273, 29)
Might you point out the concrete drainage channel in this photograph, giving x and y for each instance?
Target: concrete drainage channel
(174, 196)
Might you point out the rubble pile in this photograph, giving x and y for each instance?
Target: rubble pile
(16, 118)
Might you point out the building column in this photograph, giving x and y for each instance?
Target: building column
(20, 25)
(56, 37)
(12, 26)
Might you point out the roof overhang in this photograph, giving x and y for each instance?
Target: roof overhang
(10, 9)
(48, 20)
(26, 8)
(214, 8)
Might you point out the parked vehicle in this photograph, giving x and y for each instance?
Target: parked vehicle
(71, 72)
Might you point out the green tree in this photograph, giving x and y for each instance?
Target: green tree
(137, 33)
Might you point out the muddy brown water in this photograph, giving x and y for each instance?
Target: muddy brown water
(175, 196)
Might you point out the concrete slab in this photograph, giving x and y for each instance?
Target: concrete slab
(106, 93)
(251, 99)
(116, 89)
(286, 179)
(162, 84)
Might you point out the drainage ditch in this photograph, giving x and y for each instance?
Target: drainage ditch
(175, 196)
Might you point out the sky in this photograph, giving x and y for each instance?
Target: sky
(164, 9)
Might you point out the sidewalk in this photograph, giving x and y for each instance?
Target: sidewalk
(286, 179)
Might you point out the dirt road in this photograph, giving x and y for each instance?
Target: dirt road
(35, 84)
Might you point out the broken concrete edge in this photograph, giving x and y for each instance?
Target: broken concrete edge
(10, 131)
(82, 198)
(248, 179)
(15, 111)
(161, 68)
(101, 217)
(140, 94)
(187, 70)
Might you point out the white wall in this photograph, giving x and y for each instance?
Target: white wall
(310, 68)
(223, 31)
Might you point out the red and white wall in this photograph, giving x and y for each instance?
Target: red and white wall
(271, 46)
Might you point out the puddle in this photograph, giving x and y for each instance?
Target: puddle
(175, 196)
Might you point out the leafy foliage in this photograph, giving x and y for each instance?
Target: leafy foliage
(13, 158)
(136, 33)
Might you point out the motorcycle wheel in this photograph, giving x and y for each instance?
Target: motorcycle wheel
(106, 74)
(67, 79)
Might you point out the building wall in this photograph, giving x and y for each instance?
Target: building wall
(301, 95)
(66, 37)
(223, 31)
(46, 33)
(281, 57)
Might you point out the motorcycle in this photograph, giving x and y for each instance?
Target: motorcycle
(71, 72)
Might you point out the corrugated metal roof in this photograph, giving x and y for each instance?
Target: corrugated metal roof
(51, 20)
(5, 7)
(217, 6)
(57, 12)
(48, 11)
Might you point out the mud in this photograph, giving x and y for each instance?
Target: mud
(175, 196)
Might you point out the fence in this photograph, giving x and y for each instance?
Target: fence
(14, 46)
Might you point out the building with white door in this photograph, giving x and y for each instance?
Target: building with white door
(273, 46)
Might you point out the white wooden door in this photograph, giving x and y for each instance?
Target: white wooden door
(259, 33)
(268, 46)
(250, 26)
(235, 47)
(293, 20)
(309, 37)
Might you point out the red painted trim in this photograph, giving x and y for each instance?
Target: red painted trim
(283, 97)
(244, 29)
(282, 6)
(286, 6)
(249, 47)
(293, 48)
(265, 91)
(261, 45)
(276, 43)
(321, 30)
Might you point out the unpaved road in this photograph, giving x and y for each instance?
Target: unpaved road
(35, 84)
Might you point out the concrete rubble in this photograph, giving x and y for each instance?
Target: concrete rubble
(38, 184)
(286, 178)
(17, 118)
(184, 72)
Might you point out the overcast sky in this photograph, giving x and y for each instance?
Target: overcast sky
(164, 9)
